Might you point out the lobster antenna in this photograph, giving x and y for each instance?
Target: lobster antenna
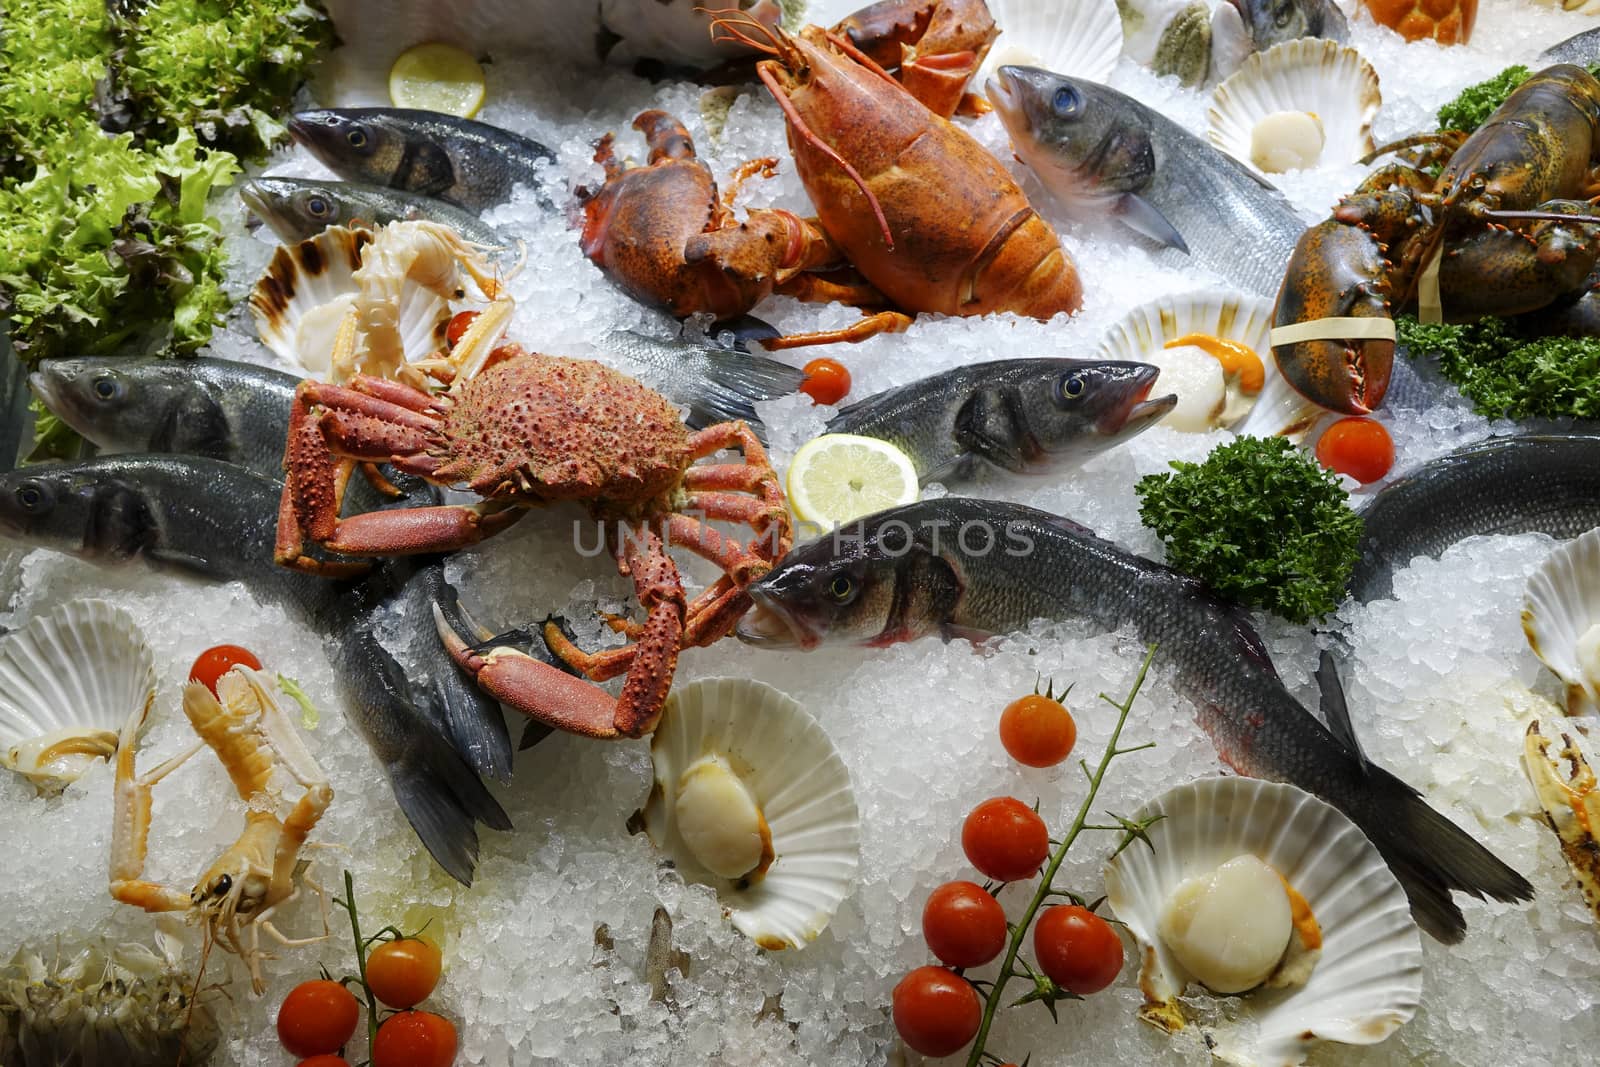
(1544, 216)
(731, 22)
(816, 142)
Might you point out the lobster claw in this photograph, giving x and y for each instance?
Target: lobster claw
(1337, 272)
(1349, 376)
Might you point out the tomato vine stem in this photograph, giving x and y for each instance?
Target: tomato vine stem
(1008, 966)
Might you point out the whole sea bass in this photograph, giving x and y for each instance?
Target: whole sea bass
(217, 521)
(971, 568)
(1017, 415)
(240, 411)
(1545, 483)
(469, 164)
(1099, 151)
(299, 208)
(1581, 48)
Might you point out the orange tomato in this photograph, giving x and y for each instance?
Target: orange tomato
(317, 1017)
(963, 925)
(936, 1011)
(326, 1060)
(1358, 447)
(402, 973)
(415, 1039)
(460, 323)
(1037, 731)
(214, 662)
(1078, 950)
(826, 381)
(1005, 839)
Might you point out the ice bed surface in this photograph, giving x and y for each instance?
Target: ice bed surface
(915, 723)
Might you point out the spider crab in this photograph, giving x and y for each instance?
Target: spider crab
(1505, 229)
(522, 429)
(262, 871)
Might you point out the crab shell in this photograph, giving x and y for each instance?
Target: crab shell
(543, 428)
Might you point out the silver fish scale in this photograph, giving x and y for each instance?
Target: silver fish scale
(1527, 484)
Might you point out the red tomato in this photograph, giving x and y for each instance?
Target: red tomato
(1005, 839)
(317, 1017)
(935, 1010)
(1360, 448)
(460, 323)
(826, 381)
(402, 973)
(328, 1060)
(1078, 950)
(1037, 731)
(963, 925)
(213, 663)
(415, 1039)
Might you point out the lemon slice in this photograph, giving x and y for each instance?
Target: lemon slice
(437, 77)
(839, 477)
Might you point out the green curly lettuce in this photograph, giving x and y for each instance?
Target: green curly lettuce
(108, 246)
(224, 69)
(1260, 522)
(1506, 374)
(48, 75)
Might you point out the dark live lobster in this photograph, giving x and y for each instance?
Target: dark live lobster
(1505, 229)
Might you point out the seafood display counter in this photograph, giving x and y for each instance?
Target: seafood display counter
(971, 531)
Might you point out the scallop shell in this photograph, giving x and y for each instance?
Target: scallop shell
(1329, 79)
(800, 784)
(309, 288)
(1368, 979)
(69, 680)
(1082, 38)
(1278, 409)
(1560, 605)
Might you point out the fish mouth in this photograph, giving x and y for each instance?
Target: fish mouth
(299, 129)
(1139, 413)
(1002, 96)
(255, 201)
(45, 389)
(771, 625)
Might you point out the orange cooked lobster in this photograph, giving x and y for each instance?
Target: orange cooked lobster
(925, 217)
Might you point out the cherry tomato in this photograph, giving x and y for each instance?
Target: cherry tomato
(317, 1017)
(935, 1010)
(826, 381)
(1037, 731)
(213, 663)
(1360, 448)
(327, 1060)
(402, 973)
(415, 1039)
(1078, 950)
(460, 323)
(963, 925)
(1005, 839)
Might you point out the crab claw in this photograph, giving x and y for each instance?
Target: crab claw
(534, 688)
(1555, 760)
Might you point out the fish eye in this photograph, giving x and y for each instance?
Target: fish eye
(317, 206)
(106, 387)
(1065, 101)
(1281, 15)
(842, 589)
(1071, 387)
(357, 138)
(32, 496)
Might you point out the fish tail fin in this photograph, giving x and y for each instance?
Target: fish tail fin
(471, 717)
(734, 381)
(1432, 856)
(443, 800)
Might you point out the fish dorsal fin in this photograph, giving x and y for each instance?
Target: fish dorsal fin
(1250, 643)
(1141, 216)
(1335, 712)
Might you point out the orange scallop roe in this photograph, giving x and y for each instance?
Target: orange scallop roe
(1238, 359)
(1446, 21)
(1305, 923)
